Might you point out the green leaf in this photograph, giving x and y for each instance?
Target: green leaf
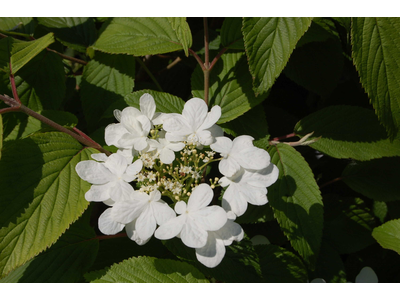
(240, 263)
(145, 36)
(23, 52)
(21, 126)
(256, 214)
(377, 179)
(376, 55)
(5, 54)
(252, 123)
(317, 66)
(388, 235)
(17, 24)
(348, 132)
(269, 43)
(165, 102)
(231, 33)
(106, 79)
(296, 201)
(65, 261)
(230, 86)
(77, 33)
(348, 224)
(329, 265)
(40, 83)
(152, 270)
(279, 265)
(41, 194)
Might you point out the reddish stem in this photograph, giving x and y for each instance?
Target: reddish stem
(330, 182)
(284, 137)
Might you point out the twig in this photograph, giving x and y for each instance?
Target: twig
(330, 182)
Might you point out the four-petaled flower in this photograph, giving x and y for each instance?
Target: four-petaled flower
(109, 178)
(195, 219)
(195, 125)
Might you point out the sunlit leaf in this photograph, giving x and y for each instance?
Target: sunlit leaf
(388, 235)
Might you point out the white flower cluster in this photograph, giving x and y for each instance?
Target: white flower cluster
(165, 156)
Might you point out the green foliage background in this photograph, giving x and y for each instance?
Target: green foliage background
(335, 207)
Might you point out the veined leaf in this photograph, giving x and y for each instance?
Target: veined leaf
(253, 123)
(269, 43)
(23, 52)
(106, 79)
(348, 224)
(152, 270)
(17, 24)
(377, 179)
(230, 86)
(65, 261)
(144, 36)
(376, 55)
(388, 235)
(296, 201)
(77, 33)
(348, 132)
(231, 33)
(40, 83)
(280, 265)
(41, 194)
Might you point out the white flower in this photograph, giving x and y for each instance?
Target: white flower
(195, 125)
(195, 219)
(135, 125)
(213, 252)
(247, 187)
(166, 149)
(239, 153)
(367, 275)
(109, 178)
(147, 210)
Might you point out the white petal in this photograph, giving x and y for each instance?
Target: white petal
(254, 195)
(162, 212)
(222, 145)
(113, 133)
(230, 232)
(116, 163)
(366, 275)
(134, 168)
(130, 229)
(129, 119)
(210, 218)
(252, 158)
(175, 146)
(117, 114)
(147, 105)
(171, 228)
(224, 181)
(180, 207)
(158, 118)
(93, 172)
(145, 124)
(167, 156)
(127, 211)
(192, 235)
(205, 137)
(216, 131)
(212, 253)
(228, 166)
(102, 157)
(318, 280)
(175, 123)
(107, 224)
(98, 193)
(140, 143)
(201, 196)
(262, 178)
(146, 224)
(121, 191)
(195, 112)
(236, 203)
(212, 117)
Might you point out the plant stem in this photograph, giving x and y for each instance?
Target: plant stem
(330, 182)
(18, 106)
(206, 71)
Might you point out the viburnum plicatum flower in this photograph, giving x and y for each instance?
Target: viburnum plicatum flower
(147, 209)
(239, 153)
(195, 219)
(247, 186)
(134, 127)
(165, 149)
(212, 253)
(195, 125)
(109, 178)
